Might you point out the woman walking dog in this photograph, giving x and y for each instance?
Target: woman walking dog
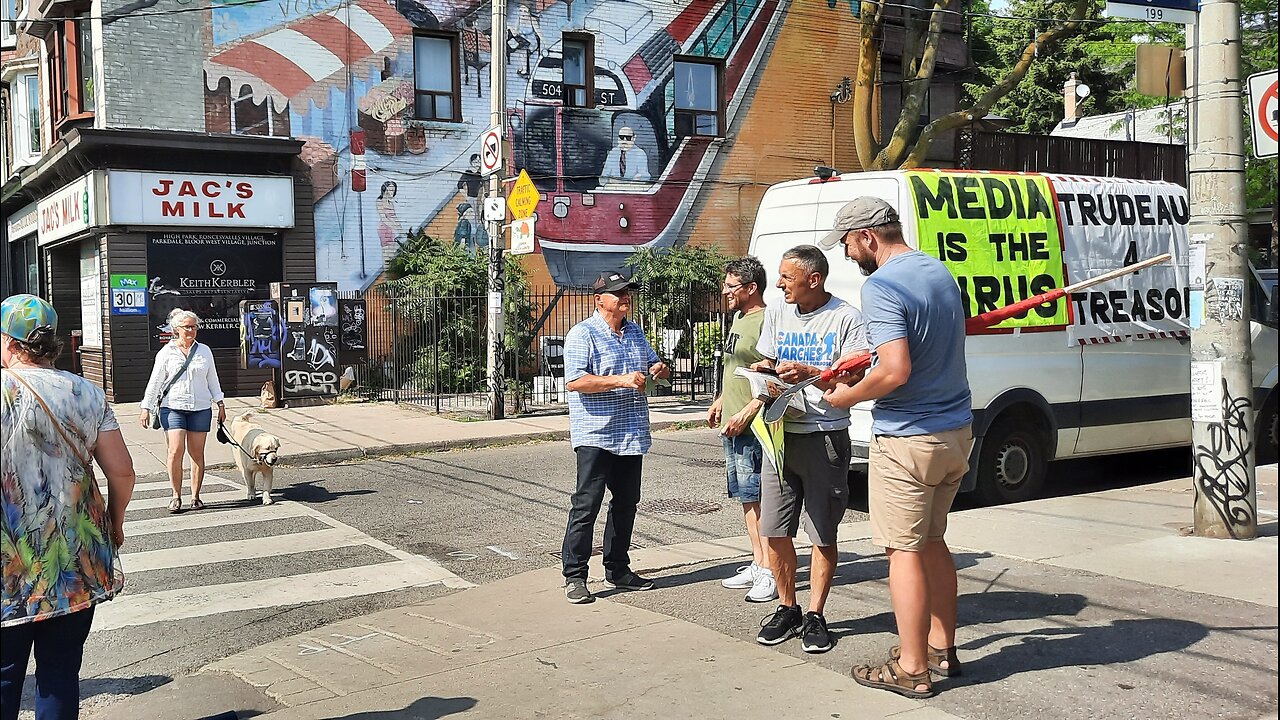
(180, 397)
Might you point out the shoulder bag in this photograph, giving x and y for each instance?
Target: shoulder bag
(154, 421)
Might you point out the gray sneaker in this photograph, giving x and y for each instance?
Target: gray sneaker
(576, 592)
(629, 581)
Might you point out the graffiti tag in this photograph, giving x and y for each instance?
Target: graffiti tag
(321, 383)
(1223, 465)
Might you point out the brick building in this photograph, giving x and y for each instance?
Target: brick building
(642, 122)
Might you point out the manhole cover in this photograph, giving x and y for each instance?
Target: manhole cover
(679, 506)
(718, 464)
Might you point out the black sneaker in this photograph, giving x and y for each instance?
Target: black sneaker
(783, 624)
(576, 592)
(814, 636)
(629, 581)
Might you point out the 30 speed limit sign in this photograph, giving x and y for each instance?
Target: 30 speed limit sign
(1263, 110)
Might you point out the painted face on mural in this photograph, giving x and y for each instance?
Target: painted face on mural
(626, 138)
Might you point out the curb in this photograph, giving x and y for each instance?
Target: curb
(340, 455)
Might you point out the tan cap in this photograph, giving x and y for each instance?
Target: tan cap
(862, 212)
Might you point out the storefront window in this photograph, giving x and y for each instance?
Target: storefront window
(84, 44)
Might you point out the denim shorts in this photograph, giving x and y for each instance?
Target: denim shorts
(189, 420)
(742, 458)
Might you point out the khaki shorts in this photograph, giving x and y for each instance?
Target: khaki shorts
(912, 482)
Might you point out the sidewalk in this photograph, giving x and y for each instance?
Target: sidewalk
(334, 433)
(515, 649)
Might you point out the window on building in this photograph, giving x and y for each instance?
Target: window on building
(577, 84)
(436, 77)
(698, 110)
(8, 29)
(24, 118)
(72, 91)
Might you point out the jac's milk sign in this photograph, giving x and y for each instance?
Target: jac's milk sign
(71, 209)
(224, 201)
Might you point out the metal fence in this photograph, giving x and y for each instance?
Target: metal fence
(1073, 156)
(430, 349)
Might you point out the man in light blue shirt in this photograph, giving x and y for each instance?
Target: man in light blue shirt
(922, 426)
(607, 364)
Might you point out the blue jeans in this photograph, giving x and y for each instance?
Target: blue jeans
(742, 458)
(189, 420)
(59, 649)
(597, 470)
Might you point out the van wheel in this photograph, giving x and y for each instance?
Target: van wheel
(1012, 465)
(1267, 433)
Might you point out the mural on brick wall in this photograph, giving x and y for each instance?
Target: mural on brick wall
(665, 78)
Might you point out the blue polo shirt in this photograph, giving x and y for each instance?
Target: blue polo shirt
(615, 420)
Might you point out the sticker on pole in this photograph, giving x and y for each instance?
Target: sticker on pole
(490, 152)
(522, 236)
(1263, 110)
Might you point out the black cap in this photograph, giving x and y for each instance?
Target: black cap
(612, 282)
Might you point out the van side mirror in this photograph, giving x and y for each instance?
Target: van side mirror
(1272, 306)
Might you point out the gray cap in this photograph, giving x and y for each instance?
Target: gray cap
(862, 212)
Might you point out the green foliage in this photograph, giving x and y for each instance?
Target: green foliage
(676, 283)
(706, 341)
(441, 294)
(1102, 54)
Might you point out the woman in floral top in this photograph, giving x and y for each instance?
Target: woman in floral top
(60, 538)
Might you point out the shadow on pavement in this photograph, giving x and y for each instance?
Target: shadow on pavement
(427, 708)
(309, 492)
(91, 687)
(1117, 642)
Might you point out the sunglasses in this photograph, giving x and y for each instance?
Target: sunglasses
(626, 137)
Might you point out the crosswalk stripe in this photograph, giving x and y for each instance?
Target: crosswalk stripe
(170, 605)
(220, 518)
(164, 485)
(208, 498)
(232, 550)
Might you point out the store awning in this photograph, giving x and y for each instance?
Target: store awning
(304, 59)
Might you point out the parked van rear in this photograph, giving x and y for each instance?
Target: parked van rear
(1103, 371)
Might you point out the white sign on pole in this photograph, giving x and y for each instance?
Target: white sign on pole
(495, 209)
(522, 232)
(1149, 13)
(490, 152)
(1262, 110)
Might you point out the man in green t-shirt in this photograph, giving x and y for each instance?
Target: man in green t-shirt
(744, 284)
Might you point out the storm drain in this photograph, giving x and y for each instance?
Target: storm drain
(678, 506)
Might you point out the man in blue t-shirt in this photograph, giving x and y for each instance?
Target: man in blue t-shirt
(922, 427)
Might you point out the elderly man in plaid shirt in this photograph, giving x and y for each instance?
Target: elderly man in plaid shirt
(607, 361)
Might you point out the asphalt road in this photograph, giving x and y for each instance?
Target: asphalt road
(481, 514)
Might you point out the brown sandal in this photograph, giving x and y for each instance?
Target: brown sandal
(175, 505)
(893, 678)
(936, 658)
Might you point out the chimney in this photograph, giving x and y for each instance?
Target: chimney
(1070, 110)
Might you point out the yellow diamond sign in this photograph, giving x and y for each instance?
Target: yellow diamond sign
(523, 199)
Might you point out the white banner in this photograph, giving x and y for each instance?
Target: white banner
(1107, 224)
(178, 199)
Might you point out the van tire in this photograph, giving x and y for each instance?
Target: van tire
(1013, 462)
(1265, 433)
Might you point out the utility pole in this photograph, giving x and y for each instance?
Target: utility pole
(497, 280)
(1221, 383)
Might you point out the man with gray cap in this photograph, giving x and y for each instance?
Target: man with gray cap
(607, 364)
(922, 428)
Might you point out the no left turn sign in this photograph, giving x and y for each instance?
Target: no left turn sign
(1263, 109)
(490, 152)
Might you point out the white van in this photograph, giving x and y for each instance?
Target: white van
(1106, 371)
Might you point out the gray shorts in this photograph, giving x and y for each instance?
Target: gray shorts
(815, 473)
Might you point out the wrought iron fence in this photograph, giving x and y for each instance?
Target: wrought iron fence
(430, 349)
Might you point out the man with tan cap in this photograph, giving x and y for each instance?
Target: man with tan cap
(922, 427)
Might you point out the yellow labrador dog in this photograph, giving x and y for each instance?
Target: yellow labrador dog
(256, 456)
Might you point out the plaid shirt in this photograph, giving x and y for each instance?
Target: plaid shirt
(615, 420)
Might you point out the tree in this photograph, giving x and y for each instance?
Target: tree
(908, 144)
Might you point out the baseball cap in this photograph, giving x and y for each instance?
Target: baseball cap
(21, 315)
(861, 212)
(612, 282)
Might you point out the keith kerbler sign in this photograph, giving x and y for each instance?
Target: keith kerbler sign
(151, 198)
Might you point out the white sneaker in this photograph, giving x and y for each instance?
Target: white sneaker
(745, 578)
(764, 589)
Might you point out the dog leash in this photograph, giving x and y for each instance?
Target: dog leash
(225, 437)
